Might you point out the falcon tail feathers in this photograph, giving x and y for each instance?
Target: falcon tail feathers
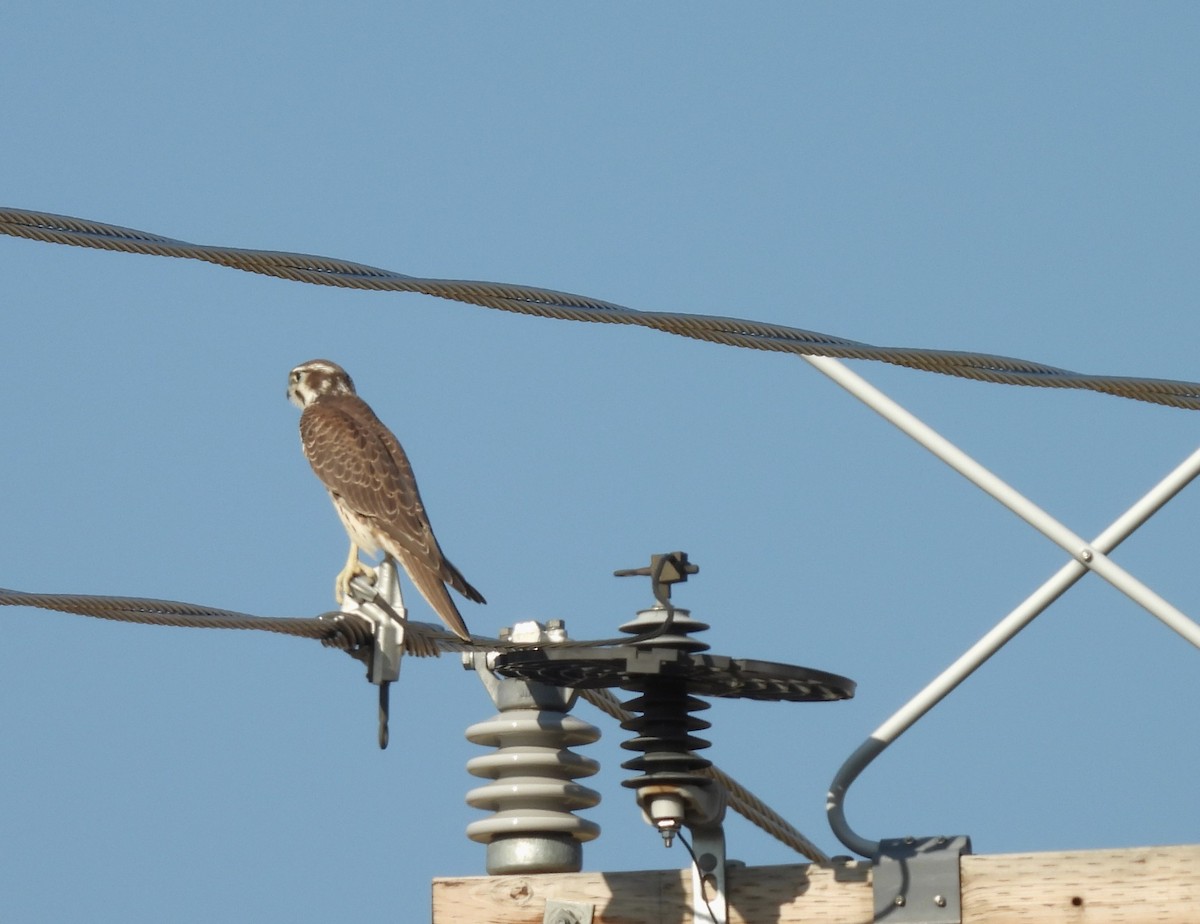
(454, 578)
(429, 583)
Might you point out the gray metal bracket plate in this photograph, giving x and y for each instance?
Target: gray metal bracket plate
(916, 880)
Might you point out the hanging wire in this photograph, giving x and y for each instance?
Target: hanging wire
(548, 303)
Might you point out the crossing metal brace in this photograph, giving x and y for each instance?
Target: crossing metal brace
(1085, 556)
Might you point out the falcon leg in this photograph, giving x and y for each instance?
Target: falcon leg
(354, 567)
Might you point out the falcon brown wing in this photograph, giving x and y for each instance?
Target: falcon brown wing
(447, 572)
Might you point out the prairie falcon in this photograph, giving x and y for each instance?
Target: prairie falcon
(371, 482)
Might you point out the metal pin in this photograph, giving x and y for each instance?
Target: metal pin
(383, 715)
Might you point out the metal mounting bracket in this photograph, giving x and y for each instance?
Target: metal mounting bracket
(710, 896)
(916, 880)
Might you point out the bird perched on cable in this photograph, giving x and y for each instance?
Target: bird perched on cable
(371, 482)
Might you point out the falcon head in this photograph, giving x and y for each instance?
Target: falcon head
(316, 379)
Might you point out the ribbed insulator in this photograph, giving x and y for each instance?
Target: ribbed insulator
(664, 725)
(664, 722)
(532, 829)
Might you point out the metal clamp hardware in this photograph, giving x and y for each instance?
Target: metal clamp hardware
(383, 605)
(916, 880)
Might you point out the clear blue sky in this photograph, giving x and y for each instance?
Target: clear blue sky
(1016, 178)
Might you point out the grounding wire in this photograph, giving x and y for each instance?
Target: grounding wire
(549, 303)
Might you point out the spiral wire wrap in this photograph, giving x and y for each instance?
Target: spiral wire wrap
(548, 303)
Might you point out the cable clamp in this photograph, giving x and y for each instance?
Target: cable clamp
(382, 605)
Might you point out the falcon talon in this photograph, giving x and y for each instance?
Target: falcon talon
(354, 569)
(362, 588)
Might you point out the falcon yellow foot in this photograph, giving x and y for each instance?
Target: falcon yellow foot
(354, 567)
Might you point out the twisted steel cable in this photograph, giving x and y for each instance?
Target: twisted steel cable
(549, 303)
(344, 631)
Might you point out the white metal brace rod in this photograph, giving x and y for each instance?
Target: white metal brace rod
(1085, 553)
(987, 646)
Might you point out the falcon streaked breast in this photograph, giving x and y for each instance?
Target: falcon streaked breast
(371, 482)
